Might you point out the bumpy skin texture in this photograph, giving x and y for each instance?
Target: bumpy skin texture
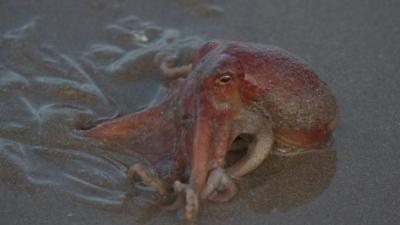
(232, 88)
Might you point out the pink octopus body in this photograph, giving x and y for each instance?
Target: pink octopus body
(232, 88)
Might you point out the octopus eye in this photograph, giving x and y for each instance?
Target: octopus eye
(224, 79)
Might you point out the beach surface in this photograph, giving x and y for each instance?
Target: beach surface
(65, 64)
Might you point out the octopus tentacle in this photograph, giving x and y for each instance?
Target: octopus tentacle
(191, 200)
(139, 170)
(219, 186)
(166, 61)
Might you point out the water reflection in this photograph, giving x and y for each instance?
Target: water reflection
(287, 182)
(87, 177)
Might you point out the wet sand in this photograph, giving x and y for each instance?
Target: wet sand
(64, 65)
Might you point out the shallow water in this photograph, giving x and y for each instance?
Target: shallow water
(64, 65)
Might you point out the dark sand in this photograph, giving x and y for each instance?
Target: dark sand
(61, 63)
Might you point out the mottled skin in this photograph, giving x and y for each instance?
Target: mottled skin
(232, 88)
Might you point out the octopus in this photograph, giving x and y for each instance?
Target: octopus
(231, 90)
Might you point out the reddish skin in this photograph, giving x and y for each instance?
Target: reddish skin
(191, 131)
